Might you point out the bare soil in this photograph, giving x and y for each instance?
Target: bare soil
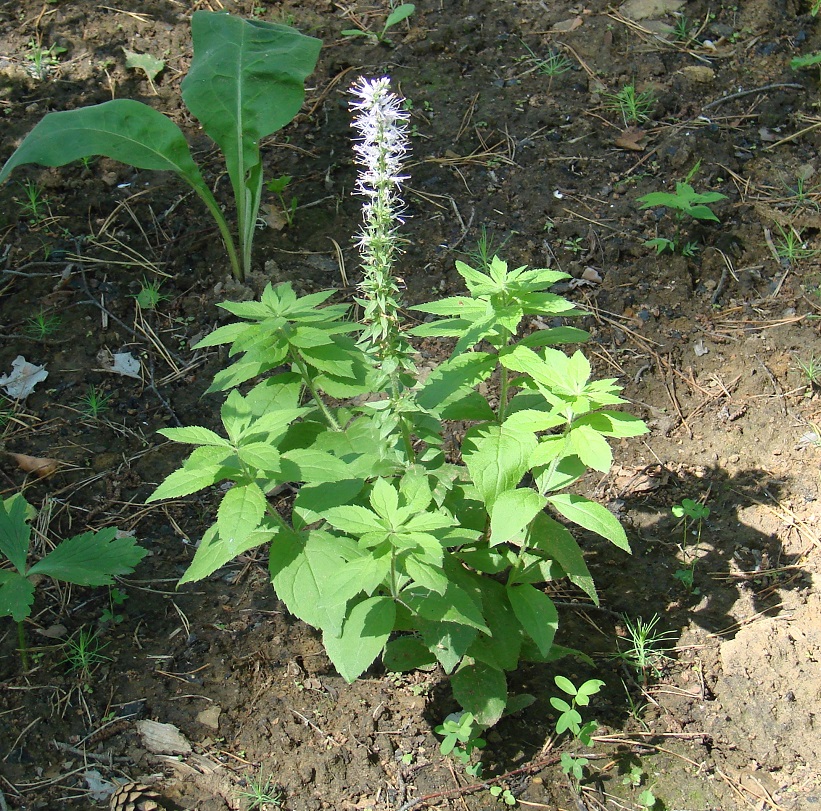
(709, 348)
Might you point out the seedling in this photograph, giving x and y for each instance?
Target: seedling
(42, 326)
(573, 767)
(278, 186)
(811, 369)
(647, 800)
(570, 720)
(806, 61)
(801, 196)
(682, 30)
(246, 81)
(400, 13)
(554, 64)
(503, 794)
(88, 559)
(43, 59)
(461, 736)
(635, 777)
(149, 296)
(690, 512)
(262, 795)
(645, 648)
(486, 249)
(633, 107)
(83, 655)
(94, 402)
(150, 65)
(33, 205)
(685, 202)
(791, 247)
(116, 599)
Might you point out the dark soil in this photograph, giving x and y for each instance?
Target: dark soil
(715, 350)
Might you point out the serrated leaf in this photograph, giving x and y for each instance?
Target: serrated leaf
(591, 447)
(425, 575)
(385, 500)
(558, 543)
(406, 653)
(455, 605)
(214, 552)
(592, 516)
(150, 65)
(91, 558)
(501, 649)
(447, 641)
(240, 512)
(15, 532)
(482, 690)
(16, 595)
(183, 482)
(360, 575)
(194, 435)
(312, 466)
(512, 511)
(537, 614)
(364, 635)
(314, 499)
(353, 520)
(261, 456)
(614, 423)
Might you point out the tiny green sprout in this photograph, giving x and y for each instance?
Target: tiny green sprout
(806, 61)
(407, 758)
(94, 402)
(690, 512)
(811, 370)
(681, 30)
(461, 736)
(634, 777)
(486, 248)
(569, 717)
(278, 186)
(646, 648)
(116, 598)
(554, 64)
(33, 204)
(42, 326)
(400, 13)
(647, 800)
(815, 7)
(83, 654)
(261, 794)
(43, 59)
(503, 794)
(149, 295)
(791, 246)
(633, 107)
(573, 767)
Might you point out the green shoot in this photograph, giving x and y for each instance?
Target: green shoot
(278, 186)
(83, 654)
(149, 295)
(690, 512)
(461, 736)
(42, 326)
(633, 107)
(33, 205)
(261, 795)
(570, 719)
(791, 247)
(399, 14)
(645, 649)
(93, 403)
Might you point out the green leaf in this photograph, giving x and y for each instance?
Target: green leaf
(245, 82)
(455, 605)
(185, 481)
(385, 500)
(497, 458)
(214, 552)
(591, 447)
(360, 575)
(148, 64)
(500, 649)
(566, 686)
(353, 520)
(537, 614)
(447, 641)
(122, 129)
(91, 559)
(415, 489)
(313, 466)
(482, 690)
(314, 499)
(406, 653)
(240, 512)
(400, 13)
(194, 435)
(558, 543)
(303, 566)
(364, 635)
(592, 516)
(260, 456)
(613, 423)
(16, 595)
(425, 575)
(512, 511)
(15, 532)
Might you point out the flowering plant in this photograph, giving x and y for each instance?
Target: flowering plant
(398, 545)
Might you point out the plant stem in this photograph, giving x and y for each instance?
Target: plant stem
(333, 423)
(21, 645)
(225, 231)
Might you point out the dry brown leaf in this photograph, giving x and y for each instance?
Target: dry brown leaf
(699, 73)
(40, 466)
(566, 26)
(631, 139)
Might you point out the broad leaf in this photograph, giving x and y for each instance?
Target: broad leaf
(406, 653)
(558, 543)
(214, 552)
(15, 532)
(194, 435)
(592, 516)
(16, 595)
(447, 641)
(482, 690)
(591, 447)
(240, 512)
(91, 559)
(512, 511)
(364, 635)
(455, 605)
(537, 614)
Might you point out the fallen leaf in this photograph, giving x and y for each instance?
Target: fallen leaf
(565, 26)
(162, 739)
(591, 275)
(699, 348)
(645, 9)
(631, 138)
(273, 217)
(53, 631)
(23, 378)
(40, 466)
(149, 65)
(119, 363)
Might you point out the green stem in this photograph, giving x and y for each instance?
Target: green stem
(333, 423)
(225, 231)
(22, 646)
(503, 393)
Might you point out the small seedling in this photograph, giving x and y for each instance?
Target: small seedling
(681, 30)
(399, 14)
(93, 403)
(690, 512)
(150, 65)
(87, 559)
(811, 369)
(116, 598)
(554, 64)
(407, 758)
(503, 794)
(801, 196)
(685, 202)
(570, 720)
(573, 767)
(42, 326)
(647, 800)
(262, 795)
(149, 296)
(645, 651)
(83, 655)
(43, 59)
(482, 255)
(792, 247)
(278, 186)
(806, 61)
(815, 7)
(633, 107)
(33, 205)
(461, 736)
(634, 777)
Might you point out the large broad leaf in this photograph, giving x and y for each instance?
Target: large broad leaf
(303, 566)
(91, 559)
(16, 595)
(482, 690)
(537, 614)
(363, 637)
(245, 82)
(406, 653)
(512, 511)
(592, 516)
(447, 641)
(15, 531)
(456, 605)
(123, 130)
(240, 512)
(501, 650)
(557, 542)
(214, 552)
